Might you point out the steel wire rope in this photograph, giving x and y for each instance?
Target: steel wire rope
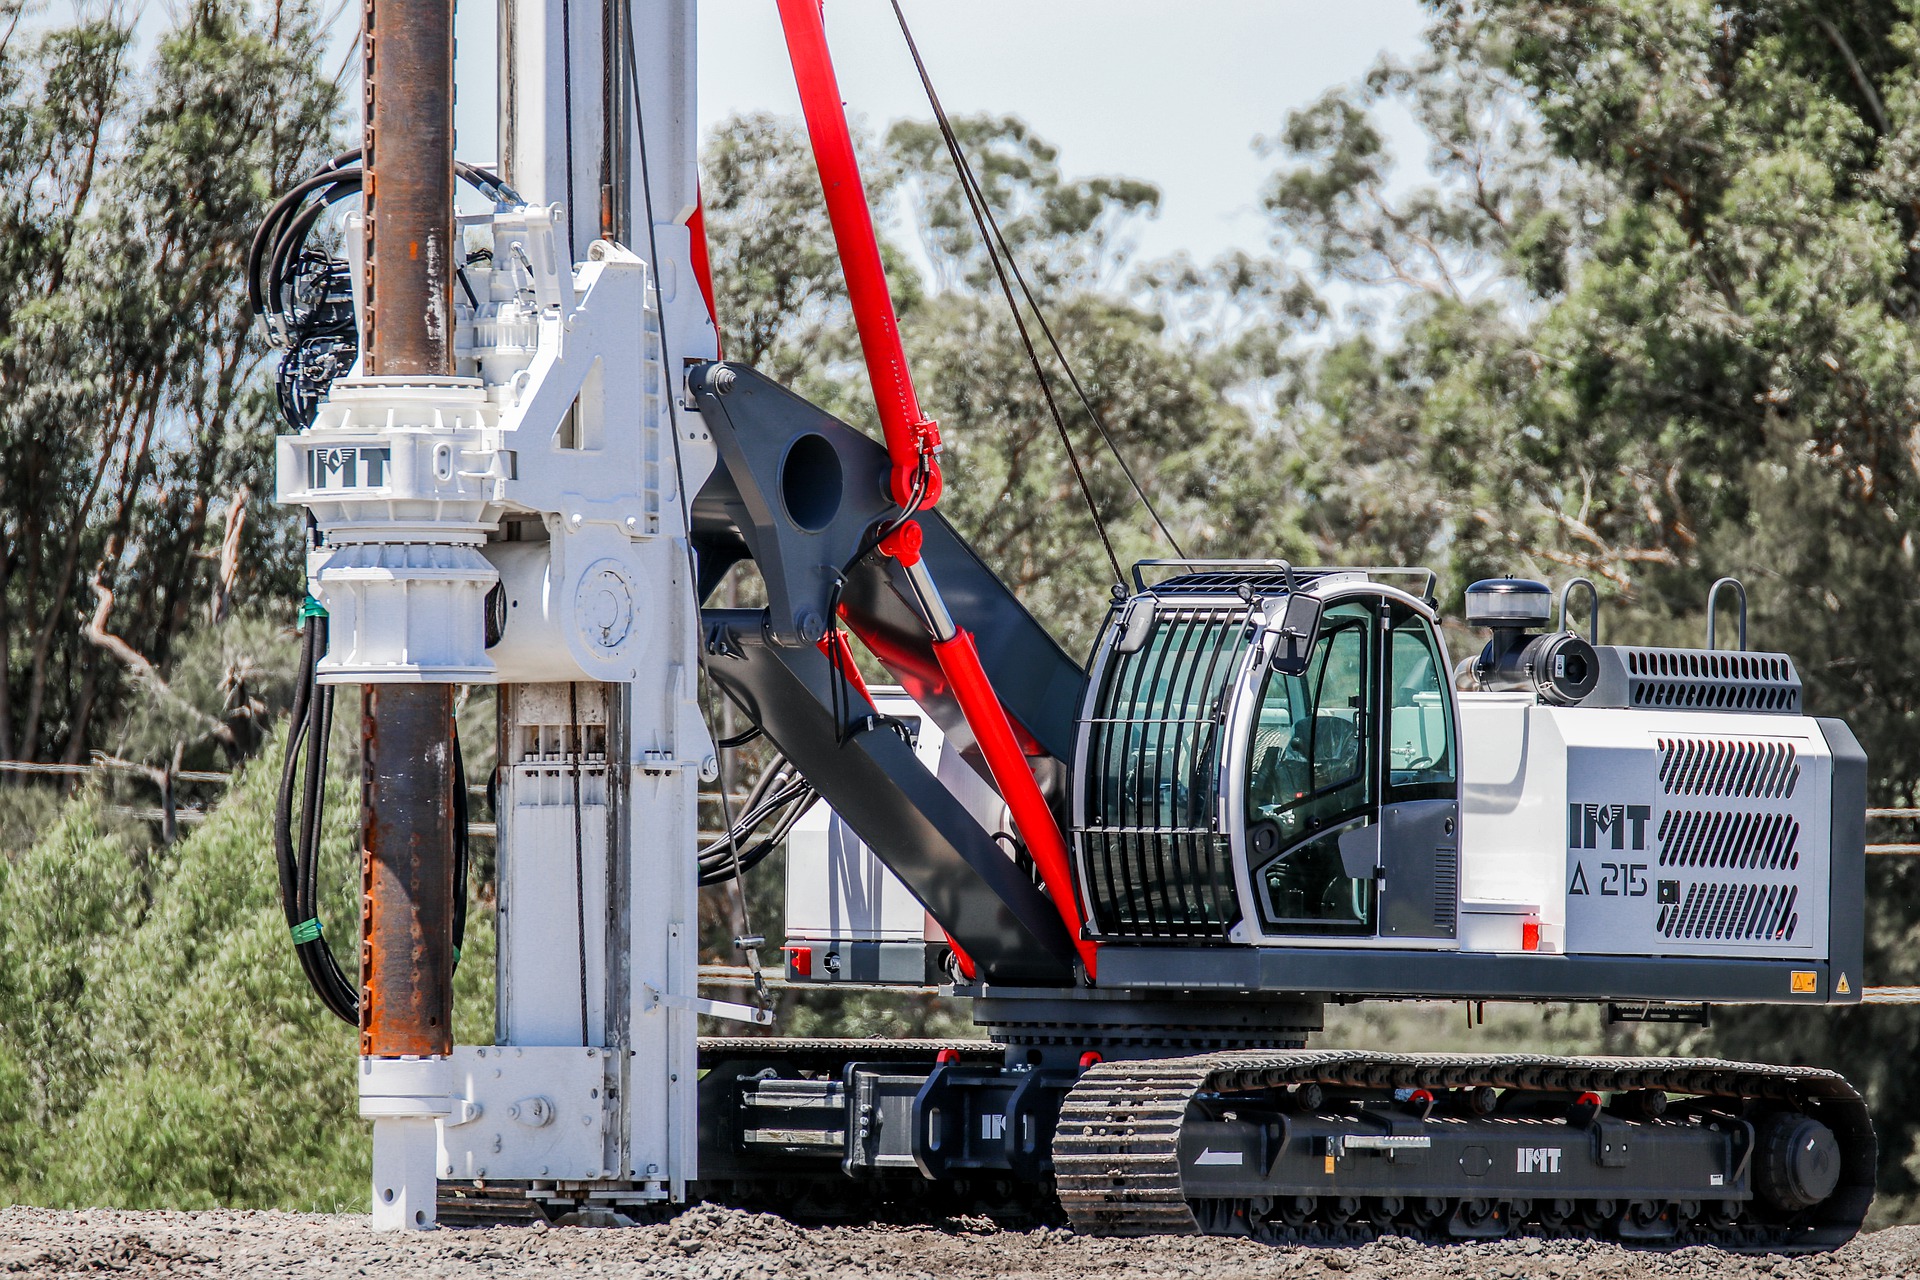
(578, 731)
(988, 226)
(566, 116)
(680, 488)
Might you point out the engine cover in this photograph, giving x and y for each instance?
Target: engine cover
(1638, 832)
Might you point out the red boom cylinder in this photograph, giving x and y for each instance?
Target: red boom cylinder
(913, 439)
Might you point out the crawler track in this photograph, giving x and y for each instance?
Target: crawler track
(1118, 1168)
(1129, 1144)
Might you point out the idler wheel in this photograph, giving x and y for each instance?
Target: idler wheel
(1796, 1161)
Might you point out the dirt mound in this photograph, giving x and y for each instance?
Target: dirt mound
(708, 1243)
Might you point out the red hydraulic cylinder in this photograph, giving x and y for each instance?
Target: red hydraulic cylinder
(913, 444)
(1008, 764)
(993, 733)
(913, 439)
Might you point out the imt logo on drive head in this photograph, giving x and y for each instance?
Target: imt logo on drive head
(349, 466)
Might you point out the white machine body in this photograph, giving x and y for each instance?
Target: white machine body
(850, 919)
(1643, 832)
(524, 524)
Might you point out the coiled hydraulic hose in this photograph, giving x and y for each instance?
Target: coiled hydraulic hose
(299, 821)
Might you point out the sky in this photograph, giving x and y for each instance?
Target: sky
(1174, 93)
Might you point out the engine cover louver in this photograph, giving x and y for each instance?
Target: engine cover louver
(1718, 838)
(1733, 912)
(1657, 679)
(1749, 768)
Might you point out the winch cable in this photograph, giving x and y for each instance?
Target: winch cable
(748, 942)
(990, 235)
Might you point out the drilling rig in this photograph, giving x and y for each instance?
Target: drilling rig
(525, 465)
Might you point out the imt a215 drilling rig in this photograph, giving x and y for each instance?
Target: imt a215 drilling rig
(525, 465)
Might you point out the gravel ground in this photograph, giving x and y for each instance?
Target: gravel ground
(724, 1244)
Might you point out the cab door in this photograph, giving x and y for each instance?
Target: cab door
(1419, 848)
(1312, 782)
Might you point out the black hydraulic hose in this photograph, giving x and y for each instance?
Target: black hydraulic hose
(297, 838)
(289, 769)
(284, 229)
(296, 850)
(461, 859)
(269, 234)
(779, 794)
(285, 859)
(343, 995)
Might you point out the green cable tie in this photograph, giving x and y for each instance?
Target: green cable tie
(456, 955)
(312, 608)
(306, 931)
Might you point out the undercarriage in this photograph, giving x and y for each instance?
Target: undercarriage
(1286, 1146)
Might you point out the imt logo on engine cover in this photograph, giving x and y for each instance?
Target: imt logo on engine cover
(1689, 834)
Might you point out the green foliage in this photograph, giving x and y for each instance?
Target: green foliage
(1071, 235)
(1010, 490)
(220, 689)
(158, 1045)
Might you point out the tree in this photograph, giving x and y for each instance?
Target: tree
(1012, 490)
(134, 411)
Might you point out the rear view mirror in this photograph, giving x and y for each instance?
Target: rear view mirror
(1297, 626)
(1136, 624)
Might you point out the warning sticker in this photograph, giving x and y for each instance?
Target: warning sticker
(1805, 982)
(1843, 987)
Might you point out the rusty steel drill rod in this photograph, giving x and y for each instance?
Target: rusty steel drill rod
(406, 966)
(409, 187)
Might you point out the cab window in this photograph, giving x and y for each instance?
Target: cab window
(1420, 749)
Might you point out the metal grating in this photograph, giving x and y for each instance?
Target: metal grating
(1717, 838)
(1695, 680)
(1712, 697)
(1742, 767)
(1446, 887)
(1708, 664)
(1732, 912)
(1153, 864)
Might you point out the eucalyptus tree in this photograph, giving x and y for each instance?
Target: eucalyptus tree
(135, 426)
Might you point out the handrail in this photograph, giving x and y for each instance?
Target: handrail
(1593, 608)
(1713, 595)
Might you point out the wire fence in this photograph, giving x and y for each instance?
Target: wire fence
(168, 815)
